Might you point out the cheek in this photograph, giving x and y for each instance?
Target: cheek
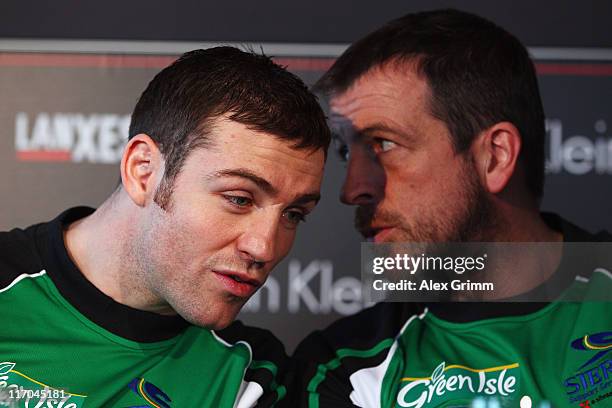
(167, 245)
(405, 186)
(181, 243)
(410, 189)
(206, 226)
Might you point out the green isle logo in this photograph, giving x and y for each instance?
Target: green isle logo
(19, 390)
(458, 383)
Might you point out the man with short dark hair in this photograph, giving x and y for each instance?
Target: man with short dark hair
(439, 118)
(133, 304)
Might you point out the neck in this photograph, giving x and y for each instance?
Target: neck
(517, 269)
(101, 246)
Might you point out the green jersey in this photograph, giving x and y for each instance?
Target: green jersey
(555, 354)
(65, 344)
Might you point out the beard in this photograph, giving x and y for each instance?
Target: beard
(468, 220)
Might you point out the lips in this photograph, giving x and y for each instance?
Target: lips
(238, 283)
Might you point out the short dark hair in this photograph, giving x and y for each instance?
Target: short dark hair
(182, 100)
(478, 75)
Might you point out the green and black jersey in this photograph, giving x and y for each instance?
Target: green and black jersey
(64, 344)
(469, 354)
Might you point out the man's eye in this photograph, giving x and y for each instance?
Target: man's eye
(385, 145)
(239, 201)
(295, 217)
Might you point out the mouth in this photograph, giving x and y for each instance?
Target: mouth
(238, 284)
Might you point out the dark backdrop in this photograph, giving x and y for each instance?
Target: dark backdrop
(542, 22)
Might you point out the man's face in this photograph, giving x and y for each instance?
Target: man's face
(403, 173)
(234, 213)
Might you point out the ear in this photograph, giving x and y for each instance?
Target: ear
(496, 152)
(142, 168)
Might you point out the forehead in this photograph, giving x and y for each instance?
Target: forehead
(234, 145)
(393, 94)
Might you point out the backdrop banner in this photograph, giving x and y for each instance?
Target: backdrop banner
(64, 120)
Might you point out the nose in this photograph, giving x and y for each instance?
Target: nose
(258, 243)
(364, 182)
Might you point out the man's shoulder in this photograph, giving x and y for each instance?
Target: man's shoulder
(324, 361)
(572, 232)
(372, 327)
(19, 254)
(263, 345)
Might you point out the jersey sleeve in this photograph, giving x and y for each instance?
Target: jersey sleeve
(262, 385)
(318, 377)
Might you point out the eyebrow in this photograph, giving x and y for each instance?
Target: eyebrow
(262, 183)
(367, 131)
(378, 127)
(382, 127)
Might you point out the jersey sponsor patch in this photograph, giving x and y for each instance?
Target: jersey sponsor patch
(458, 383)
(19, 390)
(600, 342)
(152, 394)
(591, 382)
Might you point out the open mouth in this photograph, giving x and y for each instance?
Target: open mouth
(237, 284)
